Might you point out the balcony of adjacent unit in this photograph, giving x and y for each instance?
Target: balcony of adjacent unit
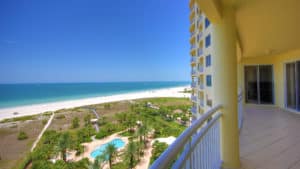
(194, 109)
(194, 84)
(193, 40)
(194, 72)
(192, 4)
(192, 15)
(194, 98)
(201, 102)
(200, 19)
(192, 27)
(200, 49)
(193, 61)
(193, 47)
(201, 86)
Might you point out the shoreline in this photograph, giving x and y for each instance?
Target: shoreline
(54, 106)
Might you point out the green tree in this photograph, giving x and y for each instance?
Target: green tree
(64, 143)
(121, 117)
(130, 153)
(97, 162)
(75, 122)
(87, 119)
(130, 122)
(22, 135)
(110, 153)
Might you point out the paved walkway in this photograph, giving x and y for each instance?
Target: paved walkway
(42, 132)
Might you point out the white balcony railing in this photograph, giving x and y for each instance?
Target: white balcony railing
(201, 86)
(201, 69)
(200, 19)
(193, 84)
(193, 59)
(194, 98)
(200, 52)
(193, 72)
(194, 110)
(193, 47)
(198, 147)
(202, 102)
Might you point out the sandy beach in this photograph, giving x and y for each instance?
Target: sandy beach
(53, 106)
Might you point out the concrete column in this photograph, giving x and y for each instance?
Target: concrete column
(224, 38)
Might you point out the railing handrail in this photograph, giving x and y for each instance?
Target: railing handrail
(168, 156)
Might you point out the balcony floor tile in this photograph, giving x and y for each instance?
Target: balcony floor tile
(270, 138)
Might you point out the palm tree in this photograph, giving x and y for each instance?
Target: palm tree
(130, 153)
(97, 163)
(142, 132)
(64, 143)
(110, 153)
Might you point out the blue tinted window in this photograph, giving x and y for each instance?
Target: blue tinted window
(208, 80)
(208, 60)
(207, 41)
(207, 23)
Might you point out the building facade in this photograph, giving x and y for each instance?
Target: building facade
(201, 61)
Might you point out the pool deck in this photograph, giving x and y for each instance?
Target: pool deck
(90, 147)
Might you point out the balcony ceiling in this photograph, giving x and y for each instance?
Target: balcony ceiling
(267, 27)
(264, 27)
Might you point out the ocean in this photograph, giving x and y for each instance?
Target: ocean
(12, 95)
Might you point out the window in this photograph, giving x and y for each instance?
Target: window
(208, 60)
(207, 41)
(208, 80)
(207, 23)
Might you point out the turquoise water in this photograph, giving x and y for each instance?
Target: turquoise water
(12, 95)
(99, 150)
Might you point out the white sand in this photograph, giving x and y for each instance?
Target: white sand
(53, 106)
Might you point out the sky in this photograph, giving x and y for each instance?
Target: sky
(44, 41)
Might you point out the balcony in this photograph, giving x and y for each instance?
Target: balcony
(201, 69)
(194, 98)
(193, 40)
(199, 146)
(193, 84)
(194, 73)
(193, 47)
(192, 15)
(202, 102)
(200, 19)
(192, 28)
(200, 52)
(194, 110)
(193, 60)
(201, 86)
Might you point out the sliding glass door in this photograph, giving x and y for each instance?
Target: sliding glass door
(293, 85)
(251, 84)
(298, 84)
(259, 84)
(266, 84)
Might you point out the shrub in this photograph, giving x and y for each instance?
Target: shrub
(101, 134)
(60, 116)
(87, 120)
(75, 122)
(158, 149)
(22, 135)
(107, 106)
(44, 121)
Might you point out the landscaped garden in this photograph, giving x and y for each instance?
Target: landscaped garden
(139, 122)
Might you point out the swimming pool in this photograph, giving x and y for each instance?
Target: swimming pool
(99, 150)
